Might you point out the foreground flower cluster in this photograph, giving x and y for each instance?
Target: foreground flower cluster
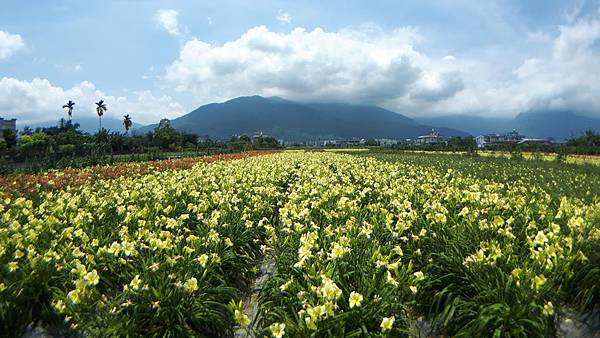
(360, 247)
(159, 254)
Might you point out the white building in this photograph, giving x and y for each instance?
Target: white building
(8, 124)
(488, 140)
(539, 141)
(386, 142)
(432, 138)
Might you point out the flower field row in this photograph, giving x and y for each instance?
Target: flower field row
(569, 158)
(363, 244)
(361, 247)
(556, 179)
(58, 179)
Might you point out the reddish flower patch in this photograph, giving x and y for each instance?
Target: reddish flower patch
(59, 179)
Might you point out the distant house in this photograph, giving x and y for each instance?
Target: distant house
(386, 142)
(488, 140)
(432, 138)
(353, 142)
(256, 136)
(513, 136)
(8, 124)
(532, 141)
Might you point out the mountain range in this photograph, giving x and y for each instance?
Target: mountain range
(295, 121)
(298, 122)
(538, 124)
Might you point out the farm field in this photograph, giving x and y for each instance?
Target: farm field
(568, 158)
(364, 244)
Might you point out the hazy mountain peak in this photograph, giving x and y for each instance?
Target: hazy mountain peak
(298, 121)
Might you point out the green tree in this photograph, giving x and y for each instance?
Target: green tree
(588, 143)
(240, 143)
(165, 136)
(35, 139)
(457, 142)
(34, 145)
(10, 137)
(371, 143)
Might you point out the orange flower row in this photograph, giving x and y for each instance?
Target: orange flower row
(59, 179)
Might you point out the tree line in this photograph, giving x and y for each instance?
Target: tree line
(586, 144)
(66, 143)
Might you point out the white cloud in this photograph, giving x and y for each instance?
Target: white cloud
(168, 19)
(39, 101)
(528, 68)
(366, 64)
(360, 65)
(284, 17)
(574, 12)
(68, 68)
(576, 39)
(568, 77)
(9, 44)
(435, 87)
(539, 36)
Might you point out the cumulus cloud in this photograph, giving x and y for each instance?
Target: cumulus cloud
(168, 19)
(284, 17)
(567, 78)
(38, 101)
(359, 65)
(9, 44)
(367, 64)
(576, 39)
(434, 87)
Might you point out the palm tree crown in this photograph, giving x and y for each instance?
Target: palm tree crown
(69, 107)
(100, 109)
(127, 122)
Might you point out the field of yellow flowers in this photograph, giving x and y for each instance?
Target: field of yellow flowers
(360, 246)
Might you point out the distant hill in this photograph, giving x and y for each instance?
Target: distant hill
(295, 121)
(87, 124)
(560, 125)
(539, 124)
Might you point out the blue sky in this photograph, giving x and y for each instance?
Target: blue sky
(165, 58)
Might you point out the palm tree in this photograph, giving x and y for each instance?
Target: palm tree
(127, 122)
(100, 109)
(69, 107)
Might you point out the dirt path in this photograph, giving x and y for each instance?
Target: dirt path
(267, 268)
